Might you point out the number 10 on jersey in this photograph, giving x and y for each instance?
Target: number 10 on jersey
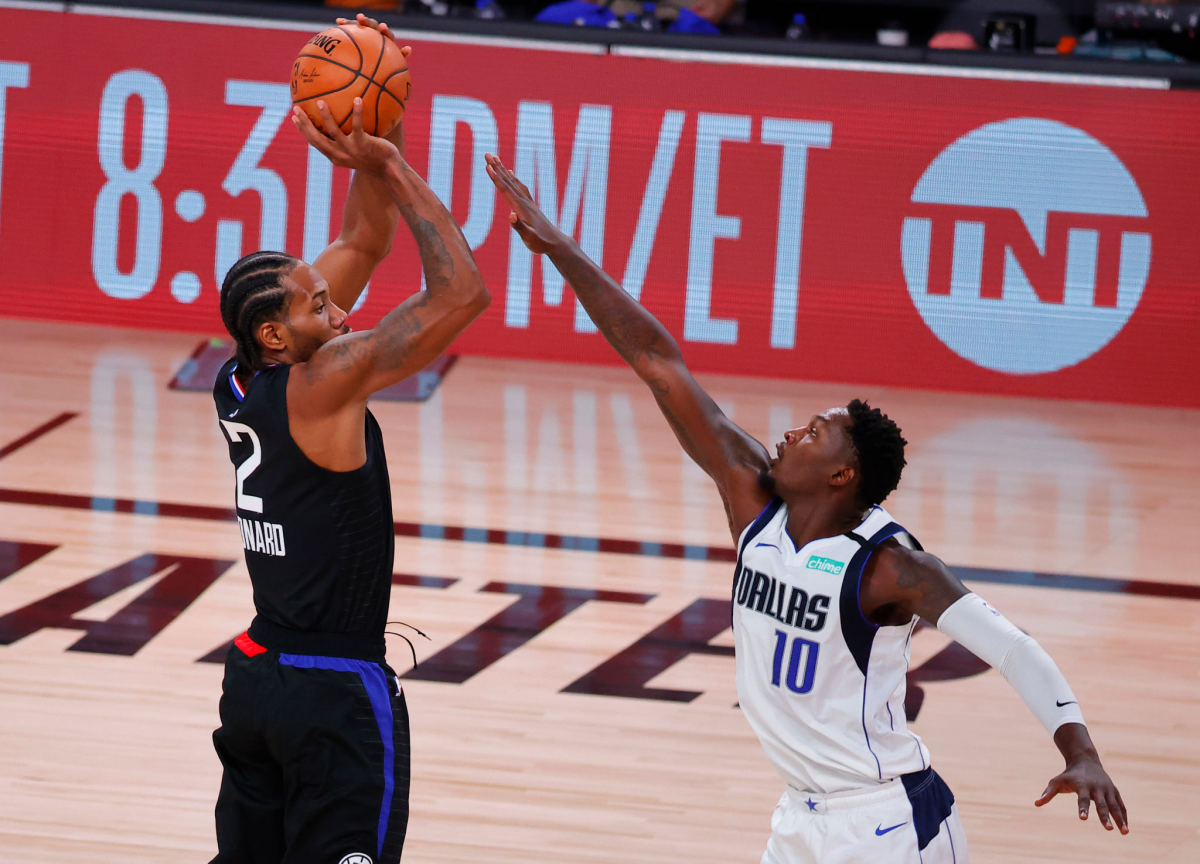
(804, 652)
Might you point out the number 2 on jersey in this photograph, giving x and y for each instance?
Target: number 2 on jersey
(802, 650)
(246, 501)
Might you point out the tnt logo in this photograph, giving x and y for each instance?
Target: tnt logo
(1026, 250)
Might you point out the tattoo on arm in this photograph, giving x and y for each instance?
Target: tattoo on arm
(926, 586)
(394, 338)
(386, 347)
(336, 358)
(436, 259)
(413, 332)
(634, 340)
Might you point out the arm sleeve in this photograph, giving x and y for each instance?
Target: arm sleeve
(1025, 665)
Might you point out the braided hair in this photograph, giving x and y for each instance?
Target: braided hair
(880, 449)
(253, 292)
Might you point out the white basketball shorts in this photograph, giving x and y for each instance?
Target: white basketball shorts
(910, 820)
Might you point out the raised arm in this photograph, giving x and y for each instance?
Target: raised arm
(369, 219)
(347, 369)
(899, 583)
(730, 456)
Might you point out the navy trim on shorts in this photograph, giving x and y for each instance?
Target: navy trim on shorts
(931, 800)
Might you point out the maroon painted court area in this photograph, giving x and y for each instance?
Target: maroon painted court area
(34, 434)
(612, 545)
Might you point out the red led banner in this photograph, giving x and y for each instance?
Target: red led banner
(869, 226)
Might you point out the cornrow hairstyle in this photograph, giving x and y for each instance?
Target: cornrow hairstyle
(253, 292)
(880, 449)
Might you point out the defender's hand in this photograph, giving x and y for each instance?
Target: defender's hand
(396, 136)
(1091, 782)
(358, 150)
(538, 232)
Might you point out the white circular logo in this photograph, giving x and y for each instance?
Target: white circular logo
(356, 858)
(1026, 250)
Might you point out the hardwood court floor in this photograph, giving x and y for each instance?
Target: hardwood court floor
(107, 758)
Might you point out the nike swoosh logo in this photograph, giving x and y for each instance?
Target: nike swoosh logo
(880, 831)
(1068, 702)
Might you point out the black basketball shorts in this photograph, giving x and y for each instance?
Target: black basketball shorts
(316, 757)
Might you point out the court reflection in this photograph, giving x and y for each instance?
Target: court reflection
(124, 428)
(991, 482)
(1017, 492)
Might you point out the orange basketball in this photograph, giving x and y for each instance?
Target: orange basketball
(348, 61)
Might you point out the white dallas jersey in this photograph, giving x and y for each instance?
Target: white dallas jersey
(822, 687)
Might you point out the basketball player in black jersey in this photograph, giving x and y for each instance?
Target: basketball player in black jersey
(314, 729)
(830, 475)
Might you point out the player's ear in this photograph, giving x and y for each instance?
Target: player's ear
(844, 476)
(271, 336)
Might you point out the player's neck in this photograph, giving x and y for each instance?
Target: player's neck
(812, 518)
(276, 358)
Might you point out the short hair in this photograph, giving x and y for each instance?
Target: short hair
(253, 292)
(880, 449)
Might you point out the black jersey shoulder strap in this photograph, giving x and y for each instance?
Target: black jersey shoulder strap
(889, 530)
(859, 539)
(873, 544)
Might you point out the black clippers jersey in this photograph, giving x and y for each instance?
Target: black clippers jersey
(319, 543)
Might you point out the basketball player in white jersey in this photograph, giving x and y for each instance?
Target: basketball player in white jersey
(827, 592)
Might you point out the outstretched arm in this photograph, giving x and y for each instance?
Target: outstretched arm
(900, 583)
(349, 368)
(369, 219)
(731, 457)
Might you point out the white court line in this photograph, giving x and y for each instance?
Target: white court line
(36, 5)
(194, 18)
(679, 54)
(311, 27)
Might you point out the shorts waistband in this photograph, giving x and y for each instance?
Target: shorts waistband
(856, 799)
(354, 646)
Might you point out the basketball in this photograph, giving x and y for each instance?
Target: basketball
(350, 61)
